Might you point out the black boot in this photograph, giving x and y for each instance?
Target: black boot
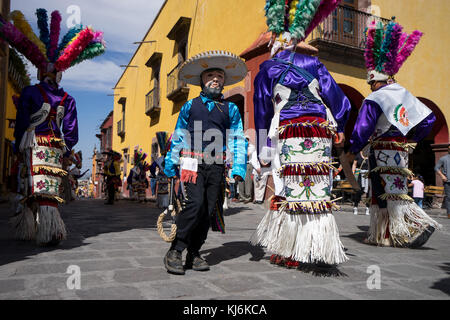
(173, 262)
(196, 262)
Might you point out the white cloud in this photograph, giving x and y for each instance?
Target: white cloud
(92, 75)
(123, 22)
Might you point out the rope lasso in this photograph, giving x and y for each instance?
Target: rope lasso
(173, 211)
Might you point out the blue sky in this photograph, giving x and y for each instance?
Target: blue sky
(123, 22)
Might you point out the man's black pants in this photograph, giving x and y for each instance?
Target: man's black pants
(193, 221)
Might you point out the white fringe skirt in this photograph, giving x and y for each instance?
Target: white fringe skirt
(300, 225)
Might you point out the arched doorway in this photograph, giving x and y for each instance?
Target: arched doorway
(429, 150)
(356, 100)
(237, 96)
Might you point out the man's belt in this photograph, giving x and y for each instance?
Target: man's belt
(203, 156)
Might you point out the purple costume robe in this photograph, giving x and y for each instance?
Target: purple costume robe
(368, 116)
(269, 75)
(31, 101)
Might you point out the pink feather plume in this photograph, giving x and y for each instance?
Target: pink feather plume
(406, 51)
(98, 37)
(72, 51)
(325, 8)
(55, 29)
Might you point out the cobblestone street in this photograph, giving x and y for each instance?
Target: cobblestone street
(120, 256)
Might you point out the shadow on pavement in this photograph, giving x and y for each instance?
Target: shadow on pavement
(358, 236)
(443, 284)
(232, 250)
(319, 271)
(235, 210)
(84, 219)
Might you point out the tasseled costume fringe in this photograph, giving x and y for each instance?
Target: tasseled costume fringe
(24, 224)
(392, 145)
(43, 196)
(305, 168)
(307, 129)
(406, 219)
(49, 141)
(402, 221)
(304, 238)
(46, 170)
(49, 225)
(394, 170)
(28, 140)
(308, 207)
(188, 176)
(399, 197)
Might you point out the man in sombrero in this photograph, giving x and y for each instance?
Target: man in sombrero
(206, 126)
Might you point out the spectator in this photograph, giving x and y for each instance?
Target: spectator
(442, 168)
(360, 168)
(418, 188)
(246, 186)
(232, 184)
(262, 171)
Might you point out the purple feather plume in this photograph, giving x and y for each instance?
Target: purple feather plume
(402, 41)
(24, 45)
(55, 29)
(368, 53)
(391, 55)
(406, 51)
(325, 8)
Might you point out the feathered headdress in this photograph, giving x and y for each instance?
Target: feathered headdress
(387, 48)
(293, 20)
(139, 155)
(164, 139)
(45, 51)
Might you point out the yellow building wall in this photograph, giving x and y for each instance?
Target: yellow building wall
(426, 71)
(10, 110)
(234, 25)
(215, 25)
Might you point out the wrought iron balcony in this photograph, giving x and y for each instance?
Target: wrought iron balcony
(341, 36)
(152, 102)
(120, 128)
(177, 90)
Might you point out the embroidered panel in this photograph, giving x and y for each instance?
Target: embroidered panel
(45, 156)
(46, 185)
(308, 149)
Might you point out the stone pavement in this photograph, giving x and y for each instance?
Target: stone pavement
(120, 256)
